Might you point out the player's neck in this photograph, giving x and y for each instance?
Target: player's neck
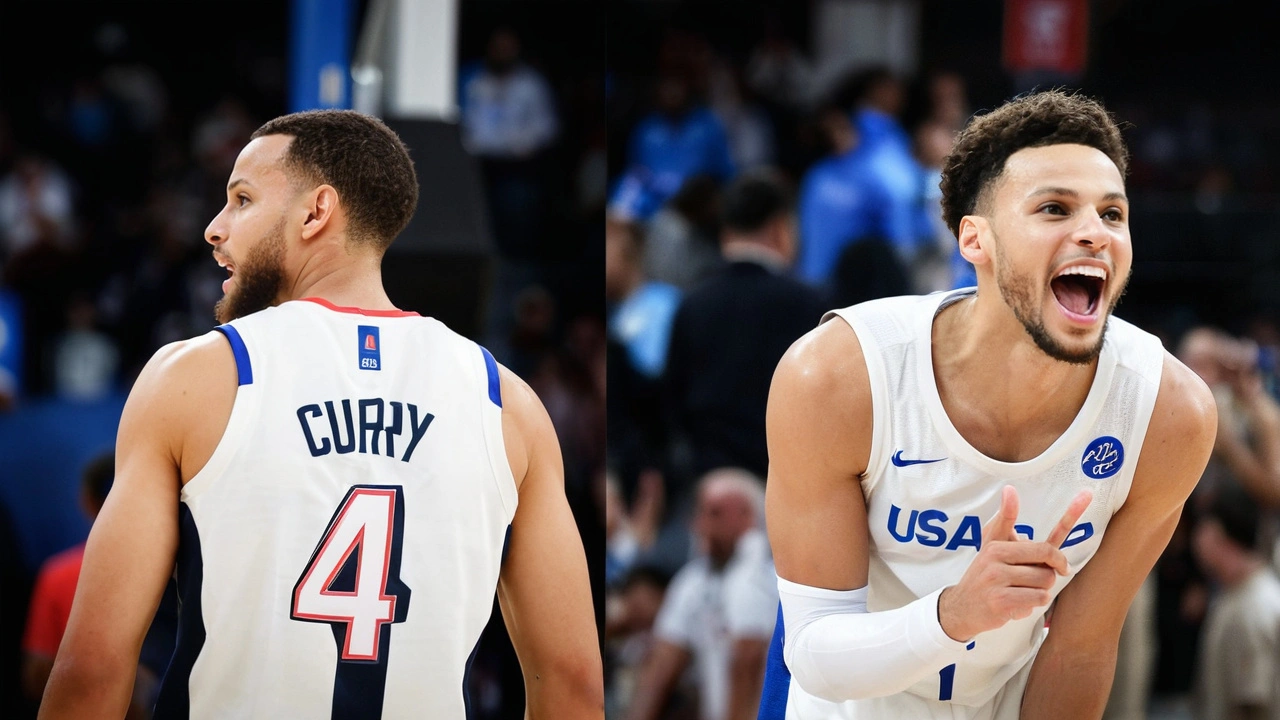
(991, 345)
(343, 281)
(990, 371)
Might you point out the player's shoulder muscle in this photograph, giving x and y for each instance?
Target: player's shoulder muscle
(527, 432)
(820, 396)
(184, 382)
(1180, 435)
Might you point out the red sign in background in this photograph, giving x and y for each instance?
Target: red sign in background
(1046, 36)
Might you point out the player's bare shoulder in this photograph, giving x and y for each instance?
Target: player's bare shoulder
(527, 430)
(184, 394)
(820, 397)
(1180, 436)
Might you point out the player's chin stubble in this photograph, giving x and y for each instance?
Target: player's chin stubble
(1019, 295)
(257, 280)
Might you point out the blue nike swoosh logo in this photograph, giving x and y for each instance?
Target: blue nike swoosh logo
(897, 460)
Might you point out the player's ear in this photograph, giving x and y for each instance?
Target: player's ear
(321, 204)
(973, 234)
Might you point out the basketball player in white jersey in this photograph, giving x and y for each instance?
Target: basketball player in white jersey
(342, 485)
(946, 468)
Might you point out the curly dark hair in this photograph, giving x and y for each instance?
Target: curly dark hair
(1048, 117)
(363, 159)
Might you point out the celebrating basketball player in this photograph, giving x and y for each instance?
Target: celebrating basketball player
(341, 483)
(945, 469)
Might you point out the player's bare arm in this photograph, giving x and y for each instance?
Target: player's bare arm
(129, 556)
(544, 589)
(1073, 671)
(818, 425)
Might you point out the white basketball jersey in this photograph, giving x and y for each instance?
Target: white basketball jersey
(929, 493)
(340, 551)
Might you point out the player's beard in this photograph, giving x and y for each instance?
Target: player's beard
(258, 278)
(1019, 293)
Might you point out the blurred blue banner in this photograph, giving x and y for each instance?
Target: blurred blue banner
(45, 445)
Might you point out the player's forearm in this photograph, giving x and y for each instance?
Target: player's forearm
(87, 689)
(838, 652)
(1069, 685)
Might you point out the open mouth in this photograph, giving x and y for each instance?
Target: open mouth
(1078, 290)
(231, 271)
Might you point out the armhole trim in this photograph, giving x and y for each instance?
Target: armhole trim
(244, 370)
(495, 381)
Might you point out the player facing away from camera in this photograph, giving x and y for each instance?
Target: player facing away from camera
(342, 485)
(945, 468)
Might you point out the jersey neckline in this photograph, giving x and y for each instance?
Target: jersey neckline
(961, 447)
(360, 311)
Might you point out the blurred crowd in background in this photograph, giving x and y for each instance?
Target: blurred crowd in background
(753, 185)
(115, 154)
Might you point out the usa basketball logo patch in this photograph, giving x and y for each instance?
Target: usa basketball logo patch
(1102, 458)
(370, 348)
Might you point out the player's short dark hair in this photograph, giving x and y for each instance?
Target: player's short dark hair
(753, 199)
(1049, 117)
(1238, 514)
(363, 159)
(98, 476)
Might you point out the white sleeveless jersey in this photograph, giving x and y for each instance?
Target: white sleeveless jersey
(929, 493)
(340, 551)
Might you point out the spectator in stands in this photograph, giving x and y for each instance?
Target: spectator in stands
(679, 139)
(879, 97)
(630, 528)
(508, 109)
(720, 608)
(631, 608)
(37, 204)
(732, 329)
(1239, 657)
(86, 359)
(55, 588)
(747, 125)
(1247, 448)
(844, 198)
(681, 240)
(639, 309)
(867, 269)
(938, 263)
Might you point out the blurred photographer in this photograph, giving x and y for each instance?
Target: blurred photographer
(1248, 442)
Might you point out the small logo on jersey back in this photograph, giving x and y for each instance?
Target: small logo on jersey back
(1102, 458)
(899, 462)
(370, 348)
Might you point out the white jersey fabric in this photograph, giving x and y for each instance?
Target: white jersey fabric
(340, 551)
(929, 492)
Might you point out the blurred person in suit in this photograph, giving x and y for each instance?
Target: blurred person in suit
(731, 330)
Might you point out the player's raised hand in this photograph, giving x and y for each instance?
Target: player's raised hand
(1009, 577)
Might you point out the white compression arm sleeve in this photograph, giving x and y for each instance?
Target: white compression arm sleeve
(838, 651)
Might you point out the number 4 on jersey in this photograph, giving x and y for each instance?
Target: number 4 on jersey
(352, 581)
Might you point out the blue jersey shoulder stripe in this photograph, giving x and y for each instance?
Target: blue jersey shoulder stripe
(243, 368)
(495, 382)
